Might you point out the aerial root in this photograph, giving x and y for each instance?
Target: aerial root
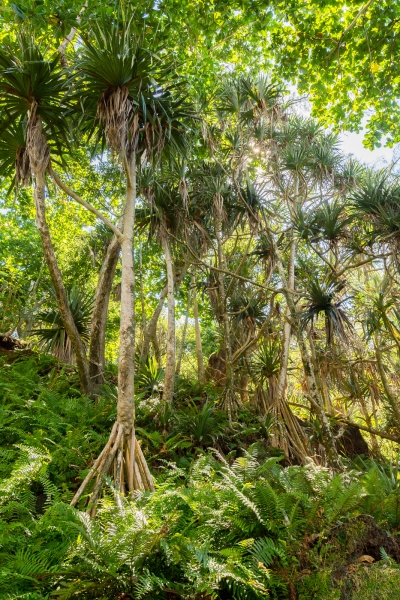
(122, 457)
(230, 402)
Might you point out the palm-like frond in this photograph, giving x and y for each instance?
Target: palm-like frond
(377, 200)
(321, 299)
(324, 155)
(14, 161)
(246, 310)
(27, 77)
(267, 361)
(331, 222)
(121, 86)
(32, 100)
(53, 336)
(164, 209)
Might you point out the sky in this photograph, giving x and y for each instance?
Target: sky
(352, 143)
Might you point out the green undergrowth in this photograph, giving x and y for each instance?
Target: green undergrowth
(227, 520)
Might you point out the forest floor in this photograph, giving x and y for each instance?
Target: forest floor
(230, 517)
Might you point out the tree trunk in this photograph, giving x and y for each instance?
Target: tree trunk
(56, 277)
(151, 328)
(183, 340)
(199, 349)
(287, 328)
(142, 302)
(126, 356)
(169, 378)
(315, 398)
(100, 311)
(229, 399)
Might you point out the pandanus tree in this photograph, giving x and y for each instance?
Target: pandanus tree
(33, 123)
(121, 91)
(303, 164)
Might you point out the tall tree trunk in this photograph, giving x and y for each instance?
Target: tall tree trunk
(100, 311)
(318, 403)
(126, 356)
(169, 378)
(56, 277)
(229, 398)
(156, 348)
(142, 302)
(151, 328)
(183, 340)
(287, 329)
(122, 453)
(199, 348)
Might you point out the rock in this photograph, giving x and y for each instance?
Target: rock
(351, 443)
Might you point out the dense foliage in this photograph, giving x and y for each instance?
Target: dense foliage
(215, 527)
(199, 301)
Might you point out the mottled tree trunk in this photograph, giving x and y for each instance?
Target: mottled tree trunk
(122, 454)
(100, 311)
(126, 357)
(314, 396)
(151, 328)
(229, 397)
(287, 329)
(56, 277)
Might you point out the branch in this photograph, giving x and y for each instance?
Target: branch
(119, 235)
(346, 31)
(68, 38)
(218, 270)
(382, 434)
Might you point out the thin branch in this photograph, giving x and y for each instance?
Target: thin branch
(120, 236)
(350, 27)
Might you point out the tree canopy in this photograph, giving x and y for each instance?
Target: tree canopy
(199, 301)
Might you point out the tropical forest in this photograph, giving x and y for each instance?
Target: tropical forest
(200, 299)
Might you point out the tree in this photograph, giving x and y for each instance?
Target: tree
(344, 57)
(119, 95)
(32, 89)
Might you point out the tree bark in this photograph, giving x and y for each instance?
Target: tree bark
(100, 312)
(169, 377)
(126, 357)
(199, 348)
(56, 277)
(151, 328)
(229, 397)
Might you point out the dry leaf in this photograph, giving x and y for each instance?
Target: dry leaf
(366, 558)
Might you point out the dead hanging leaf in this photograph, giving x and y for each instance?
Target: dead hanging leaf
(366, 558)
